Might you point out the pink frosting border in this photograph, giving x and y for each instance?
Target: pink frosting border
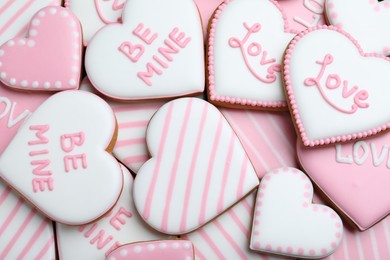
(294, 110)
(210, 65)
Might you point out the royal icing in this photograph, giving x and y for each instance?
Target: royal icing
(187, 182)
(95, 14)
(334, 93)
(15, 108)
(268, 138)
(120, 226)
(54, 41)
(61, 154)
(206, 10)
(303, 14)
(15, 16)
(155, 53)
(24, 233)
(368, 23)
(244, 61)
(287, 223)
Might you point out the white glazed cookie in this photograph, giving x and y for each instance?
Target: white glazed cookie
(157, 52)
(197, 171)
(287, 223)
(60, 151)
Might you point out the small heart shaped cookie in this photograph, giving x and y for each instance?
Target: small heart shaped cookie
(287, 223)
(197, 171)
(59, 161)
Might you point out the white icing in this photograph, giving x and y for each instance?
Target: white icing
(340, 158)
(232, 76)
(85, 179)
(115, 57)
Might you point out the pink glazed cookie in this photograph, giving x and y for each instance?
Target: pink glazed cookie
(54, 41)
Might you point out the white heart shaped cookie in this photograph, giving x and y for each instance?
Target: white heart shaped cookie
(334, 93)
(58, 159)
(246, 44)
(157, 52)
(287, 223)
(197, 171)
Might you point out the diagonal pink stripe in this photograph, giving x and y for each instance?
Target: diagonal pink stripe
(230, 240)
(33, 238)
(192, 169)
(244, 168)
(160, 152)
(11, 216)
(136, 159)
(22, 31)
(210, 242)
(141, 123)
(175, 166)
(6, 6)
(247, 206)
(238, 222)
(136, 108)
(129, 142)
(18, 13)
(44, 250)
(16, 236)
(4, 194)
(209, 173)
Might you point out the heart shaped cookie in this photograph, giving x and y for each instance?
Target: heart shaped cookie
(157, 52)
(197, 171)
(334, 93)
(58, 159)
(287, 223)
(49, 59)
(244, 61)
(366, 20)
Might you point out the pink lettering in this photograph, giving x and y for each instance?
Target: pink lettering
(40, 184)
(73, 160)
(145, 34)
(167, 51)
(180, 39)
(145, 76)
(42, 164)
(41, 129)
(101, 241)
(69, 141)
(117, 219)
(116, 6)
(133, 52)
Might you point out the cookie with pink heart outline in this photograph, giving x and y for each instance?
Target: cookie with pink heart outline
(54, 42)
(198, 168)
(244, 62)
(156, 53)
(287, 223)
(95, 14)
(366, 20)
(62, 152)
(332, 90)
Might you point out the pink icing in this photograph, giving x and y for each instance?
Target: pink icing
(163, 249)
(55, 42)
(145, 34)
(116, 5)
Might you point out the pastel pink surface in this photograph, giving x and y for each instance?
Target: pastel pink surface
(206, 9)
(50, 58)
(15, 107)
(353, 183)
(268, 138)
(163, 249)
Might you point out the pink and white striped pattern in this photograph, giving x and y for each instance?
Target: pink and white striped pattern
(268, 138)
(198, 168)
(24, 233)
(227, 237)
(15, 16)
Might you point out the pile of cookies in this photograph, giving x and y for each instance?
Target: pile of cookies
(179, 129)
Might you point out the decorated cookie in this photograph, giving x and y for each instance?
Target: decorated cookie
(49, 59)
(15, 16)
(24, 233)
(303, 14)
(287, 223)
(197, 171)
(15, 108)
(120, 226)
(59, 159)
(366, 20)
(227, 237)
(160, 249)
(268, 138)
(206, 10)
(355, 177)
(157, 52)
(244, 61)
(95, 14)
(334, 93)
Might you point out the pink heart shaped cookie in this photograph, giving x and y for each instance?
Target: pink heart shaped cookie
(49, 59)
(287, 223)
(59, 161)
(197, 171)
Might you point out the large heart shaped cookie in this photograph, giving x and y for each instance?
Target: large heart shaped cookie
(157, 52)
(286, 222)
(198, 168)
(334, 93)
(244, 61)
(58, 159)
(368, 21)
